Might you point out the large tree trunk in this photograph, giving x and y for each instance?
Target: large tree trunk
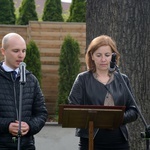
(128, 23)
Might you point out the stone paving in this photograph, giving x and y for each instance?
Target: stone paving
(54, 137)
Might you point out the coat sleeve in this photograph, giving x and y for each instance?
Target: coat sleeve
(39, 111)
(76, 96)
(131, 113)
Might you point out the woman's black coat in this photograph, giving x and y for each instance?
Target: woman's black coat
(87, 90)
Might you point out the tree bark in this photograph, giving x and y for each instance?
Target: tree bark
(128, 23)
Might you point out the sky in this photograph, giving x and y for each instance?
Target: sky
(69, 1)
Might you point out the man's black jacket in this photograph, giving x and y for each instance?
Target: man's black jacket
(34, 111)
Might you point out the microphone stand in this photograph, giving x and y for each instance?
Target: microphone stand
(22, 82)
(20, 114)
(147, 127)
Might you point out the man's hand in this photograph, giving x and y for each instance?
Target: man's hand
(14, 128)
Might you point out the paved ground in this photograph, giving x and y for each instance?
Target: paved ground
(54, 137)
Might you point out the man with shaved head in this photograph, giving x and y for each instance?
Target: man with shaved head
(34, 112)
(13, 49)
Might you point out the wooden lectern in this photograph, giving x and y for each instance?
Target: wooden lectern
(90, 117)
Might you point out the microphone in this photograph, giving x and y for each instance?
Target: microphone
(113, 63)
(22, 67)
